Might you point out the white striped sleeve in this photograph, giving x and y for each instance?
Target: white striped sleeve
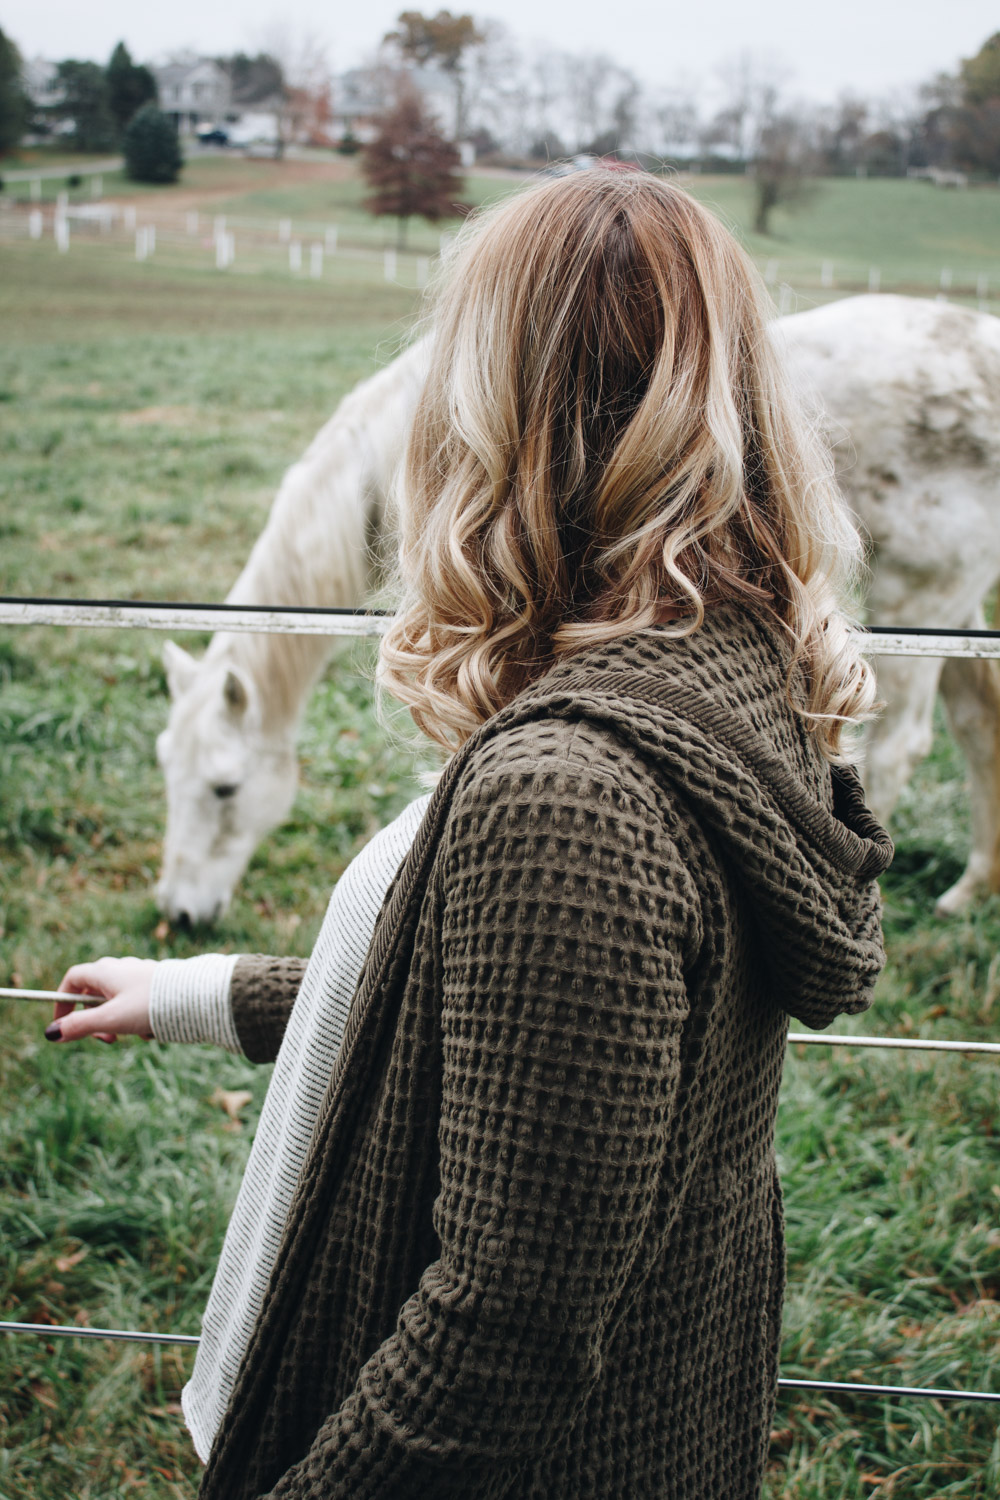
(189, 1001)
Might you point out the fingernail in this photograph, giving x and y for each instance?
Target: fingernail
(53, 1032)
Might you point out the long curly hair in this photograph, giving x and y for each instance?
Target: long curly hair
(606, 443)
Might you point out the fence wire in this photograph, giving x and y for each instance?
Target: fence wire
(344, 621)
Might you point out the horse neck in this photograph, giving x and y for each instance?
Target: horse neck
(313, 551)
(325, 528)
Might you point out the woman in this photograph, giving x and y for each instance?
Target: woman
(532, 1242)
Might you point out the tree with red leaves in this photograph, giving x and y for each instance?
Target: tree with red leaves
(410, 167)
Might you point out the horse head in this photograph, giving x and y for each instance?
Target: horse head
(230, 779)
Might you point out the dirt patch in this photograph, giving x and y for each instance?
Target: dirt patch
(237, 176)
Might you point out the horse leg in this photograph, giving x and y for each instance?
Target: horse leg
(901, 736)
(970, 687)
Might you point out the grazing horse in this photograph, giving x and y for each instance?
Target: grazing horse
(910, 393)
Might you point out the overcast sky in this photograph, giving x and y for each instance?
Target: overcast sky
(827, 46)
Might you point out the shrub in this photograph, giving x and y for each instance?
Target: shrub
(152, 150)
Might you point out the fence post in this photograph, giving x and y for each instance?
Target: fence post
(389, 265)
(295, 256)
(35, 224)
(316, 261)
(60, 227)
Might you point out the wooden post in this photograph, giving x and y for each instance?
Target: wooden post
(35, 224)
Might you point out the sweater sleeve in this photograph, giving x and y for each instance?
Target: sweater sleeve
(189, 1001)
(566, 917)
(262, 993)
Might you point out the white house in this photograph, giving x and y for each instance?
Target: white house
(193, 91)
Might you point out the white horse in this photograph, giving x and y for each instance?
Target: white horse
(911, 390)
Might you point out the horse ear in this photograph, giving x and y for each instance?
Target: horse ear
(181, 668)
(235, 694)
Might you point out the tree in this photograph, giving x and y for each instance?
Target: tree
(129, 85)
(443, 39)
(13, 103)
(783, 168)
(255, 79)
(152, 150)
(83, 88)
(410, 166)
(980, 75)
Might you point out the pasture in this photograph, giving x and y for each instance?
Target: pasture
(146, 414)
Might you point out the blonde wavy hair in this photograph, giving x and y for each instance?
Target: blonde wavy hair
(605, 443)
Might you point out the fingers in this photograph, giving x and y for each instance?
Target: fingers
(119, 989)
(91, 979)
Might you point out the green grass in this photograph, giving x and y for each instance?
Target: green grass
(146, 415)
(910, 231)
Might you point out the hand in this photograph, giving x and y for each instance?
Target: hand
(120, 1007)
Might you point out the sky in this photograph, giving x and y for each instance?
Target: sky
(825, 47)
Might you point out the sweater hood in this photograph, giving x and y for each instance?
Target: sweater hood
(710, 714)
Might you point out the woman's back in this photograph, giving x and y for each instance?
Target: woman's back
(572, 1029)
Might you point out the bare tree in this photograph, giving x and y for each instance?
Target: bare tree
(784, 168)
(444, 39)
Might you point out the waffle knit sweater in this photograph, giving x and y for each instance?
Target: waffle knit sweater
(536, 1244)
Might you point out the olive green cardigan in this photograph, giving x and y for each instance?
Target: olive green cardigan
(536, 1250)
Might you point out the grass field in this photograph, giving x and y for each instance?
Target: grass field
(146, 414)
(909, 232)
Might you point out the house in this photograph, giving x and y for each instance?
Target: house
(193, 91)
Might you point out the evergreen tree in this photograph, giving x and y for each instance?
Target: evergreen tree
(84, 91)
(410, 167)
(152, 150)
(129, 87)
(13, 104)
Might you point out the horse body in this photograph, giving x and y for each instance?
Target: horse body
(911, 392)
(911, 395)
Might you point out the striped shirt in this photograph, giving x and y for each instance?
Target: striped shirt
(190, 1003)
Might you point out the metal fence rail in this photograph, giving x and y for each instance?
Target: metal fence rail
(284, 619)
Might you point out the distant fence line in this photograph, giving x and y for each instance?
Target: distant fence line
(306, 246)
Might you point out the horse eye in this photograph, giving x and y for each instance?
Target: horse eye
(225, 791)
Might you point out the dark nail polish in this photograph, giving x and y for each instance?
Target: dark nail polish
(53, 1032)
